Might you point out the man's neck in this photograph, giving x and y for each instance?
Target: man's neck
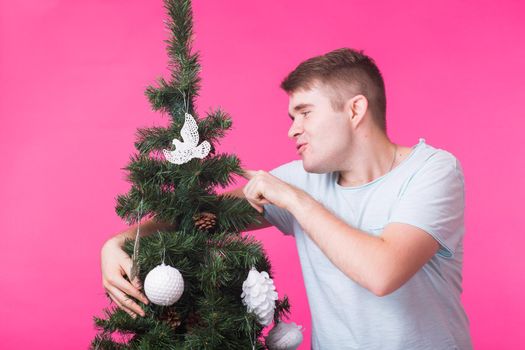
(372, 157)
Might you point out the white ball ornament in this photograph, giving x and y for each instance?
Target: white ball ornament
(259, 295)
(164, 285)
(284, 336)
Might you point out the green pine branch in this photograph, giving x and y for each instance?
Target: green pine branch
(179, 93)
(214, 126)
(153, 139)
(166, 97)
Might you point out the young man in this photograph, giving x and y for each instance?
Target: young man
(379, 227)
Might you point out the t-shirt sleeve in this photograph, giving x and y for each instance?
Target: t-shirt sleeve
(434, 201)
(278, 217)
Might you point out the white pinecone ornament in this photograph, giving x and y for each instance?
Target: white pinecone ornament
(259, 295)
(284, 336)
(164, 285)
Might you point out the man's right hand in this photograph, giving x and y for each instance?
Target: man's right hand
(115, 264)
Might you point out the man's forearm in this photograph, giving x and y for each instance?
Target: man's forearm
(147, 227)
(358, 255)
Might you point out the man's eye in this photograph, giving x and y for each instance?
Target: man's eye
(305, 113)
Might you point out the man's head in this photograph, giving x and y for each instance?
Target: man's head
(330, 97)
(343, 74)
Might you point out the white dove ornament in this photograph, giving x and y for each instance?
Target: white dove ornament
(188, 149)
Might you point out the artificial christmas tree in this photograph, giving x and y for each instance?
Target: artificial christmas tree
(194, 272)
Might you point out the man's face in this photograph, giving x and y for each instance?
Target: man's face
(324, 133)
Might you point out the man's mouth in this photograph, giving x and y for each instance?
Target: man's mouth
(301, 147)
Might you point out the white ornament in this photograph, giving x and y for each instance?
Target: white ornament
(284, 336)
(259, 295)
(188, 149)
(164, 285)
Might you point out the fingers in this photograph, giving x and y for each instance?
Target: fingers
(125, 303)
(115, 264)
(119, 304)
(259, 208)
(248, 174)
(257, 202)
(251, 193)
(120, 290)
(126, 287)
(126, 266)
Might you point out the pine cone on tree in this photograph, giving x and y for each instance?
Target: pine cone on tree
(205, 221)
(171, 317)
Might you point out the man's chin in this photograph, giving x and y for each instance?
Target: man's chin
(312, 168)
(317, 168)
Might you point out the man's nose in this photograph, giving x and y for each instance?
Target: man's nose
(295, 129)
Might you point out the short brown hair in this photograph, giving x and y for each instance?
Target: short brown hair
(347, 73)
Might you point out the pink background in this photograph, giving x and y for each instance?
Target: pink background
(72, 77)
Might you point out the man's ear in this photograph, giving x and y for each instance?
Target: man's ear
(356, 108)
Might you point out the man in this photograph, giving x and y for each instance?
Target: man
(379, 227)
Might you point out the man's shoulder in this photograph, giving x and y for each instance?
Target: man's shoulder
(436, 163)
(435, 158)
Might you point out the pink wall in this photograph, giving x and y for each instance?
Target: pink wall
(71, 97)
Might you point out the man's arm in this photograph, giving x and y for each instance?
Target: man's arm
(380, 264)
(147, 227)
(115, 263)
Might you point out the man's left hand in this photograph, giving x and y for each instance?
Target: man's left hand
(264, 188)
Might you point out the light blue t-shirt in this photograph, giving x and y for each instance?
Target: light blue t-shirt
(425, 190)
